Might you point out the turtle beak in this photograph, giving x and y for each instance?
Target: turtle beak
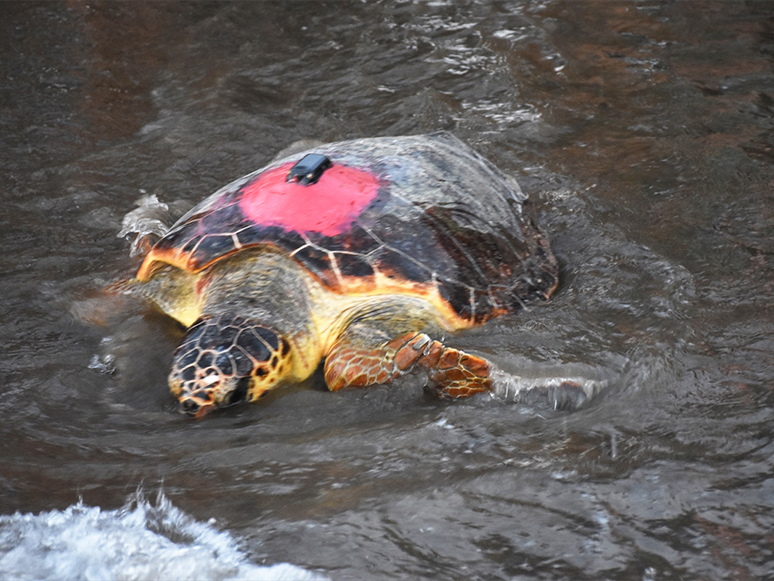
(199, 397)
(194, 407)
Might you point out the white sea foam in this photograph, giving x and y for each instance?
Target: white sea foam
(558, 391)
(136, 542)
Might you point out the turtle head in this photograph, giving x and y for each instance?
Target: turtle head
(226, 359)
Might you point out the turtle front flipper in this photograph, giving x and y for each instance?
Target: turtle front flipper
(365, 356)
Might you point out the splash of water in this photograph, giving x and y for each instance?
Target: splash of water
(136, 542)
(558, 392)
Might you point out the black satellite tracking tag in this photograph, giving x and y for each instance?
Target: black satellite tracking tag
(309, 169)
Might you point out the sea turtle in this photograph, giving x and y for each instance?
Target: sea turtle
(360, 254)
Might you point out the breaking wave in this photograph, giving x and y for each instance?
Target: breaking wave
(139, 541)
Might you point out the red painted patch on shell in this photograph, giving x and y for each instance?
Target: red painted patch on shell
(328, 206)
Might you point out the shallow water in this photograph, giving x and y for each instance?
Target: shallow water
(642, 132)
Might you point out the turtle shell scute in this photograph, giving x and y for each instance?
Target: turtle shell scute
(354, 265)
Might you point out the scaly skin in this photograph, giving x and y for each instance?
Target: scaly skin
(226, 359)
(452, 374)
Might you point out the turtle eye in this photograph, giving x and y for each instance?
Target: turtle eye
(239, 393)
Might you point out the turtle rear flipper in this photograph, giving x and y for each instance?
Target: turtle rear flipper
(149, 222)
